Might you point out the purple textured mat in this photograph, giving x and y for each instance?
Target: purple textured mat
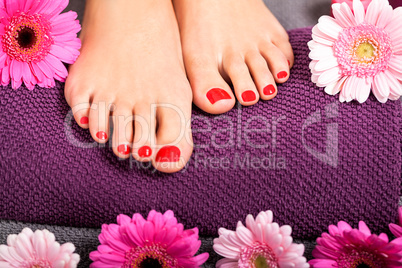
(314, 161)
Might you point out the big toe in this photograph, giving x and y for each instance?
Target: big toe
(174, 144)
(211, 92)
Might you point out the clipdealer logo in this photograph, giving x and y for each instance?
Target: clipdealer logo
(331, 154)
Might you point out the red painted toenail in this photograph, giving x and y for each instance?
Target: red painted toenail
(269, 90)
(84, 120)
(217, 94)
(145, 151)
(289, 62)
(282, 74)
(101, 135)
(124, 149)
(248, 96)
(168, 154)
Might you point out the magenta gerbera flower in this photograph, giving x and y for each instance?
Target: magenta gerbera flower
(358, 52)
(156, 242)
(397, 229)
(345, 247)
(35, 40)
(261, 243)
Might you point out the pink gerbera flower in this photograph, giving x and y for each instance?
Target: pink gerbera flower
(35, 40)
(397, 229)
(358, 51)
(259, 244)
(156, 242)
(37, 250)
(345, 247)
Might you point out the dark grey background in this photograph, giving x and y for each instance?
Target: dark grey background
(291, 13)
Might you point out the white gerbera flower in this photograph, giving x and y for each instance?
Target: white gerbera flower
(358, 51)
(259, 244)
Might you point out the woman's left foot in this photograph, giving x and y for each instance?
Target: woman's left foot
(237, 41)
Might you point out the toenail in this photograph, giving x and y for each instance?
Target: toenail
(168, 154)
(84, 120)
(282, 74)
(217, 94)
(288, 62)
(269, 90)
(101, 135)
(248, 96)
(145, 151)
(124, 149)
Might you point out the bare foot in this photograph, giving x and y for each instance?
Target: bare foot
(131, 60)
(237, 41)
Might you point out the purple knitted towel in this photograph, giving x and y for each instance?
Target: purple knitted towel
(304, 155)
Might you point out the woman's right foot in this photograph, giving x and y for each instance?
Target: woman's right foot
(131, 60)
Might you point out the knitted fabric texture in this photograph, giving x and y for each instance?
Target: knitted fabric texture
(314, 162)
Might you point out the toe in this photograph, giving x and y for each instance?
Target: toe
(263, 78)
(210, 91)
(286, 48)
(144, 132)
(99, 121)
(174, 138)
(122, 131)
(277, 62)
(79, 101)
(238, 72)
(80, 107)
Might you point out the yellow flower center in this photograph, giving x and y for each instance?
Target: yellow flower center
(365, 51)
(261, 262)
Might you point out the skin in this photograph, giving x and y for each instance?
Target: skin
(131, 73)
(236, 42)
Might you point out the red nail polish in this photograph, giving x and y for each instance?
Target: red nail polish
(217, 94)
(168, 154)
(288, 62)
(269, 90)
(248, 96)
(282, 74)
(124, 149)
(84, 120)
(101, 135)
(145, 151)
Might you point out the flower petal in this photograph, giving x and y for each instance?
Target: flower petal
(358, 10)
(328, 77)
(12, 7)
(395, 230)
(343, 15)
(374, 10)
(337, 88)
(329, 26)
(321, 51)
(326, 63)
(381, 89)
(395, 86)
(364, 229)
(245, 235)
(363, 92)
(225, 252)
(385, 17)
(227, 263)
